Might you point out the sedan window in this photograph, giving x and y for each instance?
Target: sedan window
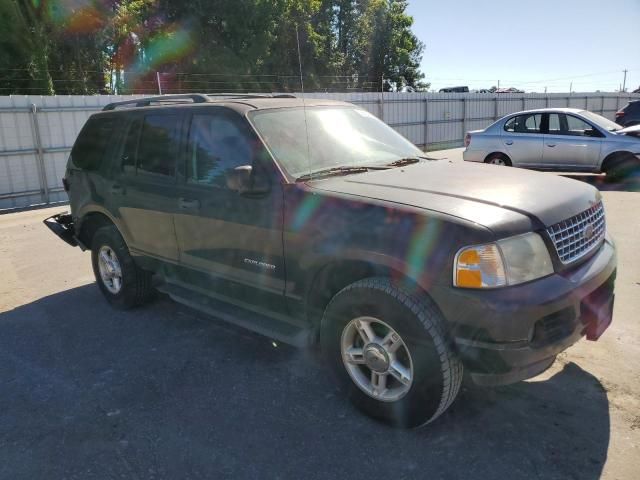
(576, 126)
(562, 124)
(524, 123)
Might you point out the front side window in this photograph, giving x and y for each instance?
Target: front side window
(554, 124)
(159, 144)
(576, 126)
(563, 124)
(308, 140)
(217, 144)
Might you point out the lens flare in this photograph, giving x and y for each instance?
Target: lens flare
(421, 245)
(305, 211)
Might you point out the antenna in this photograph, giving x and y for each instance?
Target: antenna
(300, 63)
(304, 105)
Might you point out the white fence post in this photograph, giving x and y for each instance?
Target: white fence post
(37, 142)
(426, 123)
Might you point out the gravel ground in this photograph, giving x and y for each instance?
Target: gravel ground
(165, 392)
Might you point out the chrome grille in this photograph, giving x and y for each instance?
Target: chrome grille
(577, 236)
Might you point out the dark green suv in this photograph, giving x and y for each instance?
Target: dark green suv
(314, 222)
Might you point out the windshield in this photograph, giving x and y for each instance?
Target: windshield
(600, 121)
(337, 136)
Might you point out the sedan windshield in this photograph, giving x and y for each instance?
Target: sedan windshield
(600, 121)
(314, 139)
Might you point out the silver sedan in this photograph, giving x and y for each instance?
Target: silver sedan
(566, 139)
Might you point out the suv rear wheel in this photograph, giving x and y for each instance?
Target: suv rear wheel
(391, 352)
(121, 281)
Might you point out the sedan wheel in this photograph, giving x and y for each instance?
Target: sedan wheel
(498, 159)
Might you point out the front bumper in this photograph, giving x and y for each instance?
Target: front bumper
(510, 334)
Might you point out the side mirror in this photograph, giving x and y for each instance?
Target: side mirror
(242, 180)
(591, 132)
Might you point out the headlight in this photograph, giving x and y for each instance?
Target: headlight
(510, 261)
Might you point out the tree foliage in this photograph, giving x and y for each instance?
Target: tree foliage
(100, 46)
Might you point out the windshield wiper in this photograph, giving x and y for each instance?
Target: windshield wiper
(335, 171)
(408, 161)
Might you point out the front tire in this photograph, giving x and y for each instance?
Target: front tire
(121, 281)
(391, 351)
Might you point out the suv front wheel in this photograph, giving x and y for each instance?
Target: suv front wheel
(391, 351)
(122, 282)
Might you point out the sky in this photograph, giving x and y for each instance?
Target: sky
(530, 44)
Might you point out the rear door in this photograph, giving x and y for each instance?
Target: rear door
(235, 240)
(143, 192)
(522, 138)
(567, 145)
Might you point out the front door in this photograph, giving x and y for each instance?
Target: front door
(235, 240)
(566, 145)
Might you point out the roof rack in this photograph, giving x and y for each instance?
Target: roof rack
(252, 95)
(194, 97)
(145, 102)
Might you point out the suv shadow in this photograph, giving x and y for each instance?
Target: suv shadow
(164, 392)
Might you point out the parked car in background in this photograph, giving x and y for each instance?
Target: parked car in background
(556, 139)
(629, 115)
(315, 222)
(509, 90)
(455, 90)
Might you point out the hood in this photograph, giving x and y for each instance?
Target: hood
(634, 131)
(503, 199)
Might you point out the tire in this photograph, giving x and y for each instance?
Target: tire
(434, 367)
(498, 159)
(621, 166)
(135, 286)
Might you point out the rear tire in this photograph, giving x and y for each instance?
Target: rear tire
(430, 371)
(498, 159)
(121, 281)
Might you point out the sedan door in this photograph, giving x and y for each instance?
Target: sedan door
(571, 143)
(522, 138)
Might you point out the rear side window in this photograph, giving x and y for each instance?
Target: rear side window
(524, 123)
(130, 148)
(92, 143)
(633, 107)
(159, 144)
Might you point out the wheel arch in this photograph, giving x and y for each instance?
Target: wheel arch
(498, 152)
(338, 274)
(612, 156)
(90, 223)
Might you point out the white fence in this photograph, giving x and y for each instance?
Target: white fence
(36, 133)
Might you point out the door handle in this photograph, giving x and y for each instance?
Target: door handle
(117, 189)
(551, 145)
(509, 142)
(188, 204)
